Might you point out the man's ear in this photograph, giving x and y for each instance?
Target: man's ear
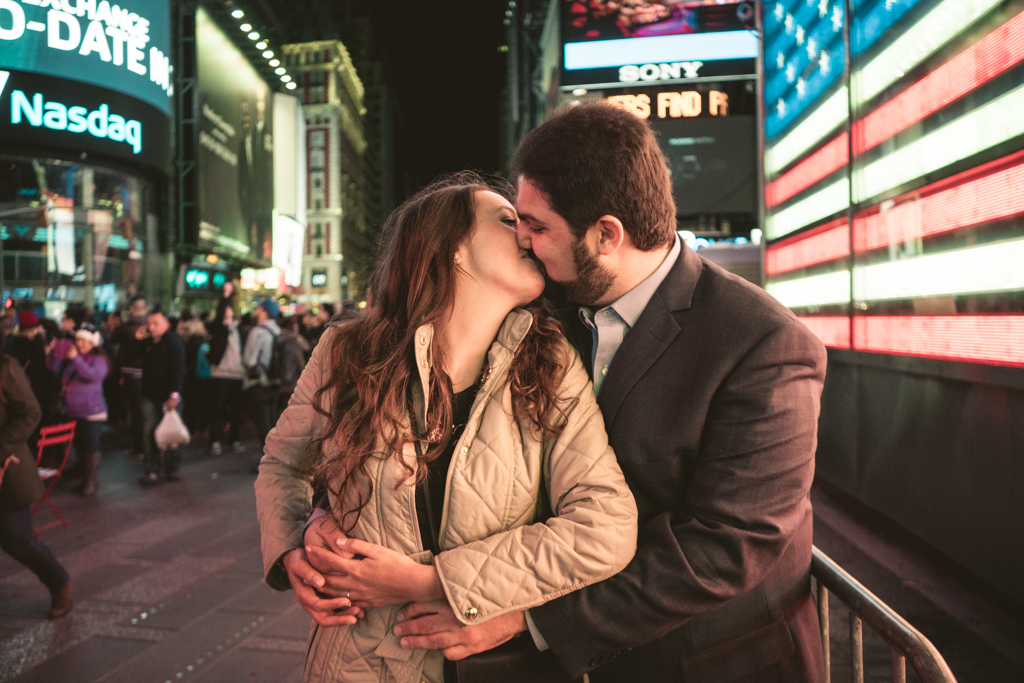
(610, 234)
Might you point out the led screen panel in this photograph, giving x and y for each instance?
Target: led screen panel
(235, 148)
(606, 42)
(77, 118)
(917, 189)
(122, 46)
(708, 135)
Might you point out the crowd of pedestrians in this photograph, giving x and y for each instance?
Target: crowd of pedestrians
(125, 371)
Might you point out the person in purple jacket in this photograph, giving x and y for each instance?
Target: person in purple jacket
(86, 366)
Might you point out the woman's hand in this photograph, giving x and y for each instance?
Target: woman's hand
(72, 352)
(306, 583)
(382, 577)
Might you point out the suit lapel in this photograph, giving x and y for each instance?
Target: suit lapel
(651, 336)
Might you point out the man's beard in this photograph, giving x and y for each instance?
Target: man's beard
(591, 283)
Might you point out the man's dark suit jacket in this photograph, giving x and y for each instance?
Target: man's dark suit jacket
(711, 404)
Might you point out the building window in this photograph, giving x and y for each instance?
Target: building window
(319, 251)
(317, 138)
(317, 204)
(318, 231)
(316, 182)
(316, 159)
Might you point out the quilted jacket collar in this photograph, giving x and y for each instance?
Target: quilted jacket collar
(510, 335)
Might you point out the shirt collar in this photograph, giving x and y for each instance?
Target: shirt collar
(630, 305)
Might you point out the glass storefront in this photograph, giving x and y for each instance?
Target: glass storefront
(73, 233)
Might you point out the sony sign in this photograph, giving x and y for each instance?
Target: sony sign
(632, 73)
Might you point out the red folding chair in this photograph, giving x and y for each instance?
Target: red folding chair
(53, 436)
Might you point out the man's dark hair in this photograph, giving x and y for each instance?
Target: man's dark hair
(76, 313)
(288, 323)
(135, 299)
(592, 160)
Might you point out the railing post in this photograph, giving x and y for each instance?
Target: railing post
(826, 647)
(856, 649)
(899, 667)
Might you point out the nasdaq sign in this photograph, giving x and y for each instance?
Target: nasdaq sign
(42, 111)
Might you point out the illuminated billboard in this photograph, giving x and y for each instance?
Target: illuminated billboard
(235, 182)
(708, 134)
(606, 42)
(87, 78)
(894, 209)
(122, 46)
(44, 111)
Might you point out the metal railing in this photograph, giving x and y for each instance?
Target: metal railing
(905, 641)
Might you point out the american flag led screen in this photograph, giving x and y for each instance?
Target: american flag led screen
(894, 171)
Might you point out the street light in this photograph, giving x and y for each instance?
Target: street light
(262, 45)
(274, 62)
(268, 53)
(246, 27)
(279, 70)
(238, 14)
(290, 85)
(286, 78)
(253, 35)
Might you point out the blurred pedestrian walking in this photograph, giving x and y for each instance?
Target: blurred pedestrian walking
(82, 382)
(129, 362)
(261, 396)
(28, 347)
(163, 378)
(21, 487)
(226, 374)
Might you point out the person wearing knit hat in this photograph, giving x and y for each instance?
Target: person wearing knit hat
(259, 350)
(272, 309)
(85, 369)
(27, 320)
(28, 346)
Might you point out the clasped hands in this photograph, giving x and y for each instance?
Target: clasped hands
(335, 578)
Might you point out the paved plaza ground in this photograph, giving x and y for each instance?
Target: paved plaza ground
(168, 587)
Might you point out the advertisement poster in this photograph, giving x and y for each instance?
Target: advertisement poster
(609, 19)
(609, 41)
(235, 148)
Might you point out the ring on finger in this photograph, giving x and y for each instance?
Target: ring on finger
(348, 594)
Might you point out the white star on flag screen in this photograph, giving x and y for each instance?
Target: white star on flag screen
(894, 174)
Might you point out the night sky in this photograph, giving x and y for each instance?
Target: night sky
(443, 60)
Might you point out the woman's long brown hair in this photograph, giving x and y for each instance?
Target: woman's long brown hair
(372, 363)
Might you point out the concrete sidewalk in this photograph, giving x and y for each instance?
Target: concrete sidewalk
(167, 585)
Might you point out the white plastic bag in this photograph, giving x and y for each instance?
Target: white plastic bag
(171, 432)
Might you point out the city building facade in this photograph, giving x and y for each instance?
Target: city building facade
(331, 93)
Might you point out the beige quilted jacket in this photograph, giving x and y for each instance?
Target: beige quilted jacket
(500, 552)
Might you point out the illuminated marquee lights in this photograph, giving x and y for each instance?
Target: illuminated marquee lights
(814, 290)
(827, 243)
(983, 61)
(918, 42)
(821, 204)
(829, 115)
(985, 126)
(995, 339)
(992, 267)
(883, 16)
(822, 163)
(832, 330)
(986, 199)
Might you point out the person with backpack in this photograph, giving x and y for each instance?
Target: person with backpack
(226, 374)
(260, 393)
(290, 353)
